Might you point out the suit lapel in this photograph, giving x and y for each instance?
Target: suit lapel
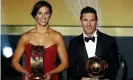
(82, 49)
(99, 44)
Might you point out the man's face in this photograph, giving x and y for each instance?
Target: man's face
(89, 23)
(43, 15)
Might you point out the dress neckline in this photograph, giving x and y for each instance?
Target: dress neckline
(39, 45)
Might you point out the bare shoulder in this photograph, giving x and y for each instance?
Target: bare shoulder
(25, 36)
(28, 33)
(57, 35)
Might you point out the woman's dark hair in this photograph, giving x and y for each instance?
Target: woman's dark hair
(38, 5)
(88, 9)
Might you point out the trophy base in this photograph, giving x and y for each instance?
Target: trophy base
(37, 77)
(96, 79)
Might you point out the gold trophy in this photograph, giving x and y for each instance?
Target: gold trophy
(96, 68)
(36, 61)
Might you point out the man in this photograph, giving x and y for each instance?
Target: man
(91, 43)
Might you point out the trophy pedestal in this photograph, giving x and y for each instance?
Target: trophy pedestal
(37, 76)
(96, 79)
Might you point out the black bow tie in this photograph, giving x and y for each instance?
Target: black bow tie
(91, 38)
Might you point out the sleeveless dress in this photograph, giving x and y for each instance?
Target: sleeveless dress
(49, 59)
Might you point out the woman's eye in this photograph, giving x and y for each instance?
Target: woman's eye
(39, 13)
(46, 13)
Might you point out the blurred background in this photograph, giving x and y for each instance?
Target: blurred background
(115, 19)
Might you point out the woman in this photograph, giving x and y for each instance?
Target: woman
(41, 35)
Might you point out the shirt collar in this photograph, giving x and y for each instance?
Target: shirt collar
(94, 34)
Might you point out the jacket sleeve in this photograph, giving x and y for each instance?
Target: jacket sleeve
(113, 60)
(73, 71)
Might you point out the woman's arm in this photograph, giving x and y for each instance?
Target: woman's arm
(18, 54)
(62, 54)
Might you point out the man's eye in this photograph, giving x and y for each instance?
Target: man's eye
(93, 20)
(84, 19)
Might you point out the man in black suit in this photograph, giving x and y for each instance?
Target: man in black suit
(91, 43)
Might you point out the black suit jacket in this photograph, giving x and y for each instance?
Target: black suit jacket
(106, 48)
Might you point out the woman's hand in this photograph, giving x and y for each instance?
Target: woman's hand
(47, 76)
(27, 75)
(85, 78)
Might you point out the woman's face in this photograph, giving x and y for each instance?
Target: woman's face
(43, 15)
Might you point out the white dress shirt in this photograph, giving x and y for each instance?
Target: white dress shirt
(90, 45)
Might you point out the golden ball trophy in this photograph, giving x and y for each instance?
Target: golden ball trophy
(96, 68)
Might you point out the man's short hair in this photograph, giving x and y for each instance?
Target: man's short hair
(88, 9)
